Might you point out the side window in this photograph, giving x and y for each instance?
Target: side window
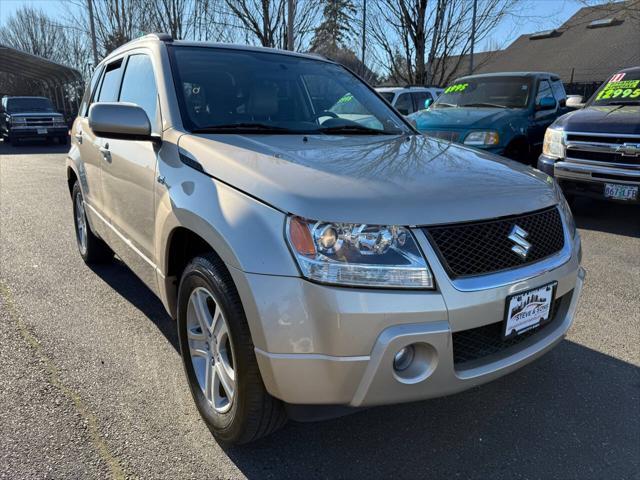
(558, 92)
(89, 93)
(544, 90)
(419, 99)
(404, 104)
(139, 85)
(111, 82)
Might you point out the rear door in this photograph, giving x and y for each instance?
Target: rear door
(129, 174)
(404, 103)
(420, 98)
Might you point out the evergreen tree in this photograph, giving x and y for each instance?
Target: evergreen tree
(335, 31)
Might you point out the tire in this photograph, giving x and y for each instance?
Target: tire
(92, 249)
(248, 412)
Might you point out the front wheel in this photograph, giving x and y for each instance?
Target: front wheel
(219, 358)
(92, 249)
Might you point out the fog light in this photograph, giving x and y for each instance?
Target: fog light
(403, 358)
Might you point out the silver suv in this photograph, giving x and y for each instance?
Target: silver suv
(315, 261)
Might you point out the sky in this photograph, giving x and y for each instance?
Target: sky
(532, 16)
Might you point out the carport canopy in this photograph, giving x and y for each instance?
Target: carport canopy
(23, 64)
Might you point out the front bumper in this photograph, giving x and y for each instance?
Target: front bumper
(39, 132)
(318, 344)
(588, 179)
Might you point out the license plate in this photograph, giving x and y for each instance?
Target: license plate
(528, 310)
(620, 192)
(42, 131)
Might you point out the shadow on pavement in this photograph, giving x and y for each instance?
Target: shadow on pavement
(605, 216)
(575, 413)
(32, 147)
(572, 414)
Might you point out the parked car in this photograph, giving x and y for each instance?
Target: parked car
(29, 118)
(410, 99)
(313, 264)
(596, 151)
(502, 113)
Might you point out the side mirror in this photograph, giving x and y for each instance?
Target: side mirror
(575, 101)
(428, 102)
(125, 121)
(547, 103)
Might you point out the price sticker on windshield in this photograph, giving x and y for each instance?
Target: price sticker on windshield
(620, 89)
(459, 87)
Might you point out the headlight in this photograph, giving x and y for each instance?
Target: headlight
(358, 254)
(482, 138)
(18, 121)
(553, 145)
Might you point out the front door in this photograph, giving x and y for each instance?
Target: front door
(129, 176)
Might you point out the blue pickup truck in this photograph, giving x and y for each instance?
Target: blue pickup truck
(502, 113)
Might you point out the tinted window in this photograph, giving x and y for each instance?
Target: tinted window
(403, 104)
(544, 90)
(111, 83)
(29, 104)
(388, 96)
(242, 91)
(86, 99)
(419, 99)
(558, 90)
(139, 85)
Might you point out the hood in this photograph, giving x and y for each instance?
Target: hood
(604, 119)
(460, 118)
(35, 114)
(407, 180)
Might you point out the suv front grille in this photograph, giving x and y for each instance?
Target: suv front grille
(482, 342)
(483, 247)
(40, 121)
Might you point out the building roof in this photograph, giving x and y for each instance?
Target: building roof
(580, 50)
(32, 67)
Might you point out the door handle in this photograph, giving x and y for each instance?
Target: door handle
(106, 154)
(78, 137)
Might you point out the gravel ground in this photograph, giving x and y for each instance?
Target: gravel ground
(91, 382)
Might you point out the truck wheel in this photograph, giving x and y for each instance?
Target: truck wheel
(92, 249)
(219, 358)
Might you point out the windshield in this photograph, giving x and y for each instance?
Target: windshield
(621, 89)
(29, 104)
(497, 92)
(240, 91)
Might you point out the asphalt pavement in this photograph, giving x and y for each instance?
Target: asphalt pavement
(91, 380)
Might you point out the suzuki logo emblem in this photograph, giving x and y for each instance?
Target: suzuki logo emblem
(629, 149)
(518, 236)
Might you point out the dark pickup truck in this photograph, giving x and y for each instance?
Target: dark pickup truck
(595, 151)
(30, 118)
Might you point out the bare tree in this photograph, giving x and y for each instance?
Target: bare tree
(403, 30)
(262, 20)
(32, 31)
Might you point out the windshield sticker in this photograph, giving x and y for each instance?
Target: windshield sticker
(346, 98)
(460, 87)
(620, 89)
(617, 77)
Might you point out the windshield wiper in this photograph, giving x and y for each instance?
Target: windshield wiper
(443, 104)
(356, 130)
(243, 127)
(492, 105)
(623, 102)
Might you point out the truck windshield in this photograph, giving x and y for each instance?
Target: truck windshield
(223, 90)
(492, 92)
(621, 89)
(29, 104)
